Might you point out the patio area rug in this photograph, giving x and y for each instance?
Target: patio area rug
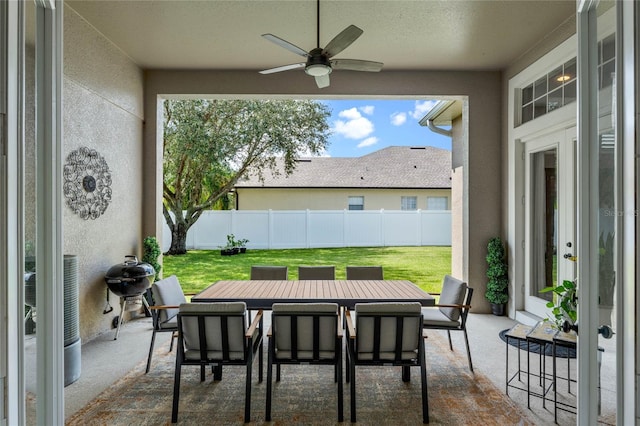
(306, 395)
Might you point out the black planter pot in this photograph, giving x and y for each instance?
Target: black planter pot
(497, 309)
(228, 252)
(243, 249)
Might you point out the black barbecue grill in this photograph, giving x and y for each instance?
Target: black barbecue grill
(129, 280)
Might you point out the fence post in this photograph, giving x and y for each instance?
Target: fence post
(270, 229)
(419, 230)
(382, 239)
(344, 228)
(307, 230)
(232, 222)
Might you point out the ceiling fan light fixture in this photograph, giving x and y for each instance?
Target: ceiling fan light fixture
(318, 70)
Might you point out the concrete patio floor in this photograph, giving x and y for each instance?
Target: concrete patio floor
(105, 360)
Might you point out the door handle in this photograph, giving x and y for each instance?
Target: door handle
(570, 257)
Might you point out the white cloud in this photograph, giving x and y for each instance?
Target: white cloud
(350, 114)
(368, 109)
(421, 108)
(354, 127)
(368, 142)
(398, 118)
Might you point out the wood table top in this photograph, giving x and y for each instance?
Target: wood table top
(261, 294)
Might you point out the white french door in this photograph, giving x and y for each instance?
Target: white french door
(550, 206)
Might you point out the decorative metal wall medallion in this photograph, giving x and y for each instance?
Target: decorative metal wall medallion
(87, 183)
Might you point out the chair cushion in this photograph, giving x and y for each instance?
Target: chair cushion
(220, 307)
(453, 292)
(388, 308)
(281, 320)
(168, 292)
(235, 313)
(412, 329)
(171, 324)
(435, 317)
(304, 308)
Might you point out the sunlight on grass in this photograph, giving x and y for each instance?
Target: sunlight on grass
(425, 266)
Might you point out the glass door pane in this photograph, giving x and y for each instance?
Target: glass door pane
(29, 209)
(544, 222)
(606, 148)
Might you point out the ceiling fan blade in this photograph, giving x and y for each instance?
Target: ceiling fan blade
(322, 81)
(283, 68)
(284, 43)
(342, 40)
(356, 65)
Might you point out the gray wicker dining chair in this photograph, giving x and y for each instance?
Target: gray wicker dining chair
(307, 334)
(167, 296)
(269, 272)
(364, 273)
(316, 272)
(216, 334)
(386, 334)
(450, 313)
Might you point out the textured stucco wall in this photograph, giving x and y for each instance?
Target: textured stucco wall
(331, 199)
(458, 138)
(102, 111)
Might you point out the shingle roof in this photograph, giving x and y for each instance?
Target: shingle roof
(391, 167)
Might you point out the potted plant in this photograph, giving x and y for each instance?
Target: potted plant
(498, 285)
(233, 246)
(565, 307)
(606, 278)
(242, 245)
(150, 253)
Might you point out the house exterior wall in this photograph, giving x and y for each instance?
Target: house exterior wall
(331, 199)
(103, 110)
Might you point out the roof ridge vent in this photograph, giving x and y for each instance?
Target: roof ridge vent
(417, 147)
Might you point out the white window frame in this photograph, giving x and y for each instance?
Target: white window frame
(438, 198)
(353, 198)
(404, 201)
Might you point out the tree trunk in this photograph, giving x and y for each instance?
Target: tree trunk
(178, 239)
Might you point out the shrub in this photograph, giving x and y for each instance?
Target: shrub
(151, 252)
(498, 284)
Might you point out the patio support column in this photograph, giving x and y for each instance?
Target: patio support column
(50, 288)
(152, 218)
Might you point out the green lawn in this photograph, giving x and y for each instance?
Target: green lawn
(425, 266)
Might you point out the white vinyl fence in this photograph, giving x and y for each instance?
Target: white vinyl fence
(279, 229)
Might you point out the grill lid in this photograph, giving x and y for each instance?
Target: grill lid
(129, 270)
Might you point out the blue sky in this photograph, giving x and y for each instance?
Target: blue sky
(359, 127)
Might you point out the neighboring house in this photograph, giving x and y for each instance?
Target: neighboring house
(393, 178)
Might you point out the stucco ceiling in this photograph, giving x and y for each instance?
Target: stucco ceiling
(405, 35)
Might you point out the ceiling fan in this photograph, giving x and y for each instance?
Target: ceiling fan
(319, 63)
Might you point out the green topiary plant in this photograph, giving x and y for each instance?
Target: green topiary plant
(498, 285)
(151, 252)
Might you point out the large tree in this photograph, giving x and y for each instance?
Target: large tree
(210, 144)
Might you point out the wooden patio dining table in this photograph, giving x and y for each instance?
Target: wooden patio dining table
(262, 294)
